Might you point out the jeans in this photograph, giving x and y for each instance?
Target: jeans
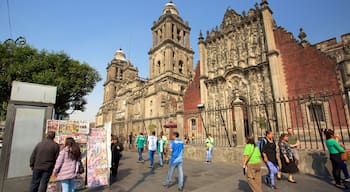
(345, 170)
(151, 157)
(140, 150)
(336, 166)
(273, 170)
(209, 154)
(67, 185)
(160, 157)
(40, 177)
(171, 168)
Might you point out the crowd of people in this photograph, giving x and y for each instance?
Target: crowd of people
(283, 157)
(170, 152)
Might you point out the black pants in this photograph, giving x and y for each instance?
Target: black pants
(114, 168)
(336, 165)
(40, 178)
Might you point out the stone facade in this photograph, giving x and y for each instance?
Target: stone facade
(135, 105)
(250, 61)
(245, 61)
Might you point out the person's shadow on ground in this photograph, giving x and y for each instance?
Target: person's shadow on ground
(243, 186)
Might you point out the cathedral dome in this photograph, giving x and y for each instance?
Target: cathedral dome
(170, 7)
(120, 55)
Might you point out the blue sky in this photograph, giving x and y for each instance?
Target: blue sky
(91, 31)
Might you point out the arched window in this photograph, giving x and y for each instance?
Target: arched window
(193, 124)
(158, 66)
(181, 63)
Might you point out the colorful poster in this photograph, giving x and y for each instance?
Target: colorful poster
(52, 125)
(98, 171)
(63, 130)
(83, 127)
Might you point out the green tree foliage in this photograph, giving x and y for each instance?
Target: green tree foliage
(74, 80)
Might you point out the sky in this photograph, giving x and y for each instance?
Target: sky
(91, 31)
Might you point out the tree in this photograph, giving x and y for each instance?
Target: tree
(74, 80)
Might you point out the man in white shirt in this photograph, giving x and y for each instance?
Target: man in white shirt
(152, 147)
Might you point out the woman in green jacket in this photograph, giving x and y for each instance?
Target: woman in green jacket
(335, 151)
(252, 164)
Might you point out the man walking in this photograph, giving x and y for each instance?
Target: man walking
(42, 162)
(177, 148)
(160, 150)
(152, 147)
(140, 144)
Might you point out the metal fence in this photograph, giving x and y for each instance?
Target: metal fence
(308, 115)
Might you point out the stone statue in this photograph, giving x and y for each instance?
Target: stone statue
(302, 35)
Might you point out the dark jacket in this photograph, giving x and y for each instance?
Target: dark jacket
(44, 155)
(116, 152)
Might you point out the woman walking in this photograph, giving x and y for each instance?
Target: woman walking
(67, 165)
(335, 151)
(287, 158)
(268, 150)
(209, 142)
(252, 164)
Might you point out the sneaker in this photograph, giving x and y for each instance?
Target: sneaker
(341, 186)
(347, 179)
(274, 187)
(165, 184)
(180, 188)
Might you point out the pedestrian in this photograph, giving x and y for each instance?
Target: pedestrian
(209, 142)
(160, 149)
(152, 147)
(287, 158)
(130, 140)
(252, 164)
(166, 147)
(140, 144)
(294, 143)
(344, 167)
(268, 150)
(116, 149)
(176, 160)
(335, 151)
(67, 164)
(42, 162)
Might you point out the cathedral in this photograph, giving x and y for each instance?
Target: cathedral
(137, 105)
(248, 73)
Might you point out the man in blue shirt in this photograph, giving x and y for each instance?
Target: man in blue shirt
(177, 149)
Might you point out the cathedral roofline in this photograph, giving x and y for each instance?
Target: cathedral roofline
(175, 18)
(172, 42)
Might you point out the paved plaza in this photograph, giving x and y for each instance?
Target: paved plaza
(200, 177)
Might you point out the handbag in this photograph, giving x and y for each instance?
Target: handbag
(345, 156)
(80, 167)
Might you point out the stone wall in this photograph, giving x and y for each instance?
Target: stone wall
(315, 163)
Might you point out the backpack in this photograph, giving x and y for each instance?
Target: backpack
(262, 141)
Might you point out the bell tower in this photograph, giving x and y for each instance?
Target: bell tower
(171, 50)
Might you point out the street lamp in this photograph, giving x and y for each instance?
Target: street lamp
(17, 42)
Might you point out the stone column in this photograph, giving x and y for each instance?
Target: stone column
(239, 121)
(188, 44)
